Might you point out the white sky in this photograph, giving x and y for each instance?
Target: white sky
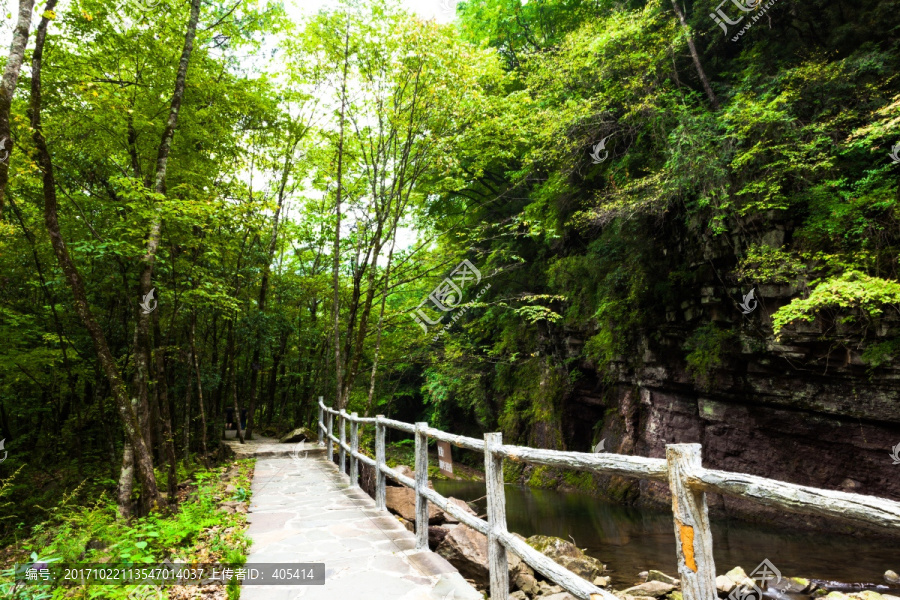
(440, 10)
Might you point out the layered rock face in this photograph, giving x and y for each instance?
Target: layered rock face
(804, 408)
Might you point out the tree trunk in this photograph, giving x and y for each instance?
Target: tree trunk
(127, 410)
(199, 390)
(264, 289)
(336, 302)
(142, 349)
(380, 329)
(168, 436)
(126, 481)
(696, 57)
(8, 88)
(188, 400)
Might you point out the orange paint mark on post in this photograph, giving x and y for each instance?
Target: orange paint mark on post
(686, 533)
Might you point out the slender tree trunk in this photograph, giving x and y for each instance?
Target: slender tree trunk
(188, 400)
(696, 57)
(234, 398)
(142, 350)
(387, 283)
(126, 481)
(199, 390)
(230, 353)
(168, 435)
(273, 378)
(8, 88)
(127, 410)
(336, 302)
(264, 288)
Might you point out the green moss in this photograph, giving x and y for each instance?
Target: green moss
(542, 477)
(580, 480)
(706, 350)
(512, 472)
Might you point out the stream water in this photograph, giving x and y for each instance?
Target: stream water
(630, 540)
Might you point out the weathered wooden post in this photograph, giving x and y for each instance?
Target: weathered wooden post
(421, 484)
(693, 537)
(354, 447)
(321, 419)
(496, 516)
(329, 443)
(343, 422)
(380, 492)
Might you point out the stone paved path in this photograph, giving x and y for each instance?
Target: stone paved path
(304, 510)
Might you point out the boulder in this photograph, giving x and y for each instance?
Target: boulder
(724, 584)
(436, 535)
(402, 501)
(737, 575)
(518, 595)
(298, 435)
(795, 585)
(586, 567)
(560, 596)
(868, 595)
(554, 547)
(448, 518)
(466, 549)
(643, 575)
(568, 555)
(601, 581)
(410, 526)
(652, 589)
(526, 583)
(837, 596)
(891, 577)
(660, 576)
(233, 506)
(675, 596)
(548, 589)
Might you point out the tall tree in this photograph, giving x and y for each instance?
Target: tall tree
(127, 409)
(8, 88)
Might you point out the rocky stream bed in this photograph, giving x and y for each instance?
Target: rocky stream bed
(466, 549)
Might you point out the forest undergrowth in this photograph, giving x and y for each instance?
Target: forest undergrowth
(208, 524)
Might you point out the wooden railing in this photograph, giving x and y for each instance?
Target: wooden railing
(682, 469)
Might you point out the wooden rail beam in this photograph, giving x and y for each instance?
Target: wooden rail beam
(801, 499)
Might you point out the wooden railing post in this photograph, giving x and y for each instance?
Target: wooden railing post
(321, 420)
(496, 516)
(693, 537)
(380, 492)
(328, 442)
(421, 484)
(354, 446)
(343, 423)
